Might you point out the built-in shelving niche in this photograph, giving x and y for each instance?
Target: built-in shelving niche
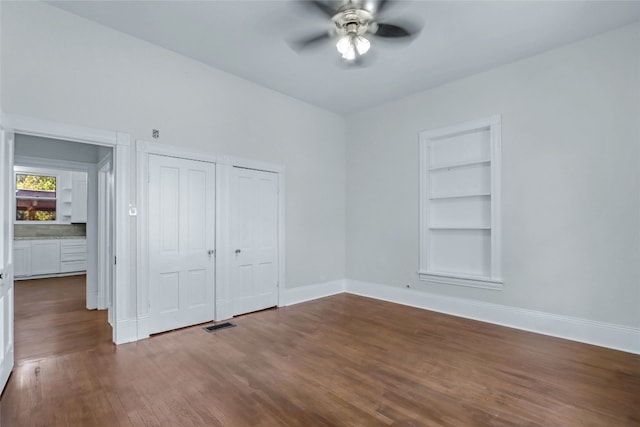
(460, 210)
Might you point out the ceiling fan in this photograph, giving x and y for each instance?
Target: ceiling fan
(352, 23)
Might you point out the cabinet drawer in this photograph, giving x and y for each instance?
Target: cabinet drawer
(73, 250)
(69, 266)
(77, 256)
(67, 248)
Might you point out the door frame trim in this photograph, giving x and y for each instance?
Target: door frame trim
(104, 172)
(223, 303)
(120, 143)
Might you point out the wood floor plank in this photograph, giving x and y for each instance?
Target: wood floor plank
(338, 361)
(51, 319)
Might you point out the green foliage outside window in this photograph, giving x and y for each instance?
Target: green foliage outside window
(23, 215)
(35, 197)
(35, 182)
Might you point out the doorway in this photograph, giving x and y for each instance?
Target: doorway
(124, 321)
(59, 254)
(123, 325)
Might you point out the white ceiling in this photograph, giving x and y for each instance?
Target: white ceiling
(460, 38)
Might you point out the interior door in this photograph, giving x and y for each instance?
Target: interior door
(181, 242)
(254, 240)
(6, 256)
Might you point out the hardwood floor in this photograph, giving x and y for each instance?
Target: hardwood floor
(51, 319)
(339, 361)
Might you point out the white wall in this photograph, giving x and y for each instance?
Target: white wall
(57, 66)
(571, 183)
(46, 148)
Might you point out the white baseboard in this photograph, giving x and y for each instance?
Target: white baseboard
(143, 327)
(125, 331)
(311, 292)
(602, 334)
(48, 276)
(92, 300)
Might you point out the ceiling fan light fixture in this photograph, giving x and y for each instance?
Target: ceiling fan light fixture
(349, 44)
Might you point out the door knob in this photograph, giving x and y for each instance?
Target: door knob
(238, 251)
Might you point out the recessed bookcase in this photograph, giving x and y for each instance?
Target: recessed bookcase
(460, 197)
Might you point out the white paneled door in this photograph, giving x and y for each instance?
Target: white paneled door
(254, 239)
(181, 242)
(6, 248)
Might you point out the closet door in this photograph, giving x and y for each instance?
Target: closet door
(181, 242)
(254, 240)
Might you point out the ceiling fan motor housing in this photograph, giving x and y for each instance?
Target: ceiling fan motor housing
(352, 21)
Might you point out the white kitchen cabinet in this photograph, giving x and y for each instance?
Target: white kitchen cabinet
(21, 258)
(45, 257)
(49, 257)
(73, 255)
(78, 197)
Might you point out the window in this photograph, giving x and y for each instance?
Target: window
(460, 186)
(36, 197)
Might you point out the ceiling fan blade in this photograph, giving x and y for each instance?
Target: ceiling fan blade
(310, 41)
(318, 5)
(392, 31)
(382, 4)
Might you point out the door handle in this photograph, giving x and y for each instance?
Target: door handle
(211, 252)
(238, 251)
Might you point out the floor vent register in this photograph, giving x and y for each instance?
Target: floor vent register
(219, 326)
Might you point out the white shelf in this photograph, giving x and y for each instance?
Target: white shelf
(462, 280)
(460, 228)
(459, 196)
(459, 164)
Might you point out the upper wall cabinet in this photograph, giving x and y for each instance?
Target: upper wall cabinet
(78, 197)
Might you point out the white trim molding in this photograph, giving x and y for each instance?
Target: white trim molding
(38, 162)
(618, 337)
(223, 297)
(250, 164)
(456, 279)
(174, 151)
(125, 328)
(311, 292)
(126, 331)
(48, 129)
(92, 300)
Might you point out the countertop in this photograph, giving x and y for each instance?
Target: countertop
(49, 237)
